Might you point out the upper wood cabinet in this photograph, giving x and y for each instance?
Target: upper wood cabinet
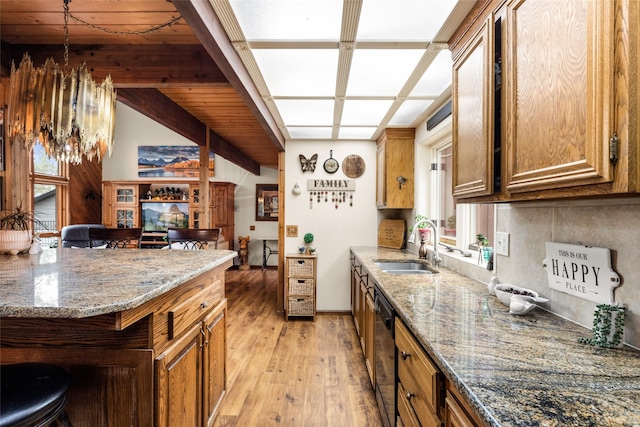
(473, 116)
(541, 101)
(394, 165)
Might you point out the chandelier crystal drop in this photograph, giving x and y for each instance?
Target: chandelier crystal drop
(66, 112)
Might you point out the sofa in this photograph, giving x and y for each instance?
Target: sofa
(77, 235)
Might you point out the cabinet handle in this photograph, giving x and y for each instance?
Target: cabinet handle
(409, 395)
(204, 304)
(204, 338)
(404, 355)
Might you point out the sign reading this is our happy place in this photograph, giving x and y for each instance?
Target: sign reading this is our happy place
(581, 271)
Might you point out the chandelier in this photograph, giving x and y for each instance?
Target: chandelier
(65, 111)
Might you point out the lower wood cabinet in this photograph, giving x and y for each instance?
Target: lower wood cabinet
(162, 363)
(420, 382)
(190, 373)
(457, 413)
(370, 335)
(214, 368)
(363, 309)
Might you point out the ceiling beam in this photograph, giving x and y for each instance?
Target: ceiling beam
(155, 105)
(134, 66)
(199, 15)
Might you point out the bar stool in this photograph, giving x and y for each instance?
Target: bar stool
(33, 394)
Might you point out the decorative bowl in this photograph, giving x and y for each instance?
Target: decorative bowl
(504, 292)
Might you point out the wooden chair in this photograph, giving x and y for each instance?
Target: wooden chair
(193, 238)
(115, 238)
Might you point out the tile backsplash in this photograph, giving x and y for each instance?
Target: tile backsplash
(606, 223)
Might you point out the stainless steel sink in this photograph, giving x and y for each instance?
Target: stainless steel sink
(404, 267)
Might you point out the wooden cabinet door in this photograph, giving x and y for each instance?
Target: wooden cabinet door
(370, 336)
(126, 194)
(107, 204)
(220, 205)
(396, 162)
(362, 292)
(381, 172)
(354, 293)
(454, 415)
(194, 195)
(126, 216)
(559, 82)
(214, 360)
(179, 381)
(472, 116)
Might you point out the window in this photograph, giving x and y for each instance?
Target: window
(50, 183)
(458, 224)
(446, 205)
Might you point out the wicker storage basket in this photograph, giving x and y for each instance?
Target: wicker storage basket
(300, 306)
(300, 267)
(300, 286)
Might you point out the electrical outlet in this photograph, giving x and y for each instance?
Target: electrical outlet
(502, 243)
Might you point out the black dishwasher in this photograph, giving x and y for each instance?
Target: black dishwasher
(385, 357)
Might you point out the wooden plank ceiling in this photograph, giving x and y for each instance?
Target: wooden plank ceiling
(175, 75)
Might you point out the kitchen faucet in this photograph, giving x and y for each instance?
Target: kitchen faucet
(436, 259)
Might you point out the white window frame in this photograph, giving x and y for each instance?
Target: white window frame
(465, 212)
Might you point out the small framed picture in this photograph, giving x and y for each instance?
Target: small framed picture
(266, 202)
(292, 230)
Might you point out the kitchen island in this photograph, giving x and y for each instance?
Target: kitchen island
(142, 331)
(510, 370)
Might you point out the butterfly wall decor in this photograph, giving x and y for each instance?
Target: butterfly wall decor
(308, 165)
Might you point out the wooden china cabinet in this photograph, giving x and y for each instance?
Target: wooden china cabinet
(121, 205)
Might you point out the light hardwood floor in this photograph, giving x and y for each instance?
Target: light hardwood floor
(296, 373)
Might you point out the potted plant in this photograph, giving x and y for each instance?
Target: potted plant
(422, 225)
(308, 239)
(450, 229)
(16, 230)
(483, 246)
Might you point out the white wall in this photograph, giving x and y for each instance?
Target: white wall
(334, 230)
(134, 129)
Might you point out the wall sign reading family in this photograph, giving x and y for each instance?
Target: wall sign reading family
(338, 192)
(266, 202)
(581, 271)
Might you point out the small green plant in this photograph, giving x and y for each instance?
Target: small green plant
(451, 222)
(308, 238)
(421, 222)
(482, 240)
(602, 327)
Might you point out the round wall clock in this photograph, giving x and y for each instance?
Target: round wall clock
(331, 165)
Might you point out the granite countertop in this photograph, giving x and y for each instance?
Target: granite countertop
(76, 283)
(514, 370)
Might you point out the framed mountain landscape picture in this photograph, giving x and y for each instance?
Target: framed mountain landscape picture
(171, 161)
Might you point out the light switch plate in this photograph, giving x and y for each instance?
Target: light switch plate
(502, 243)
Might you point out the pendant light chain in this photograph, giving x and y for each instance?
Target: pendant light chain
(66, 34)
(119, 33)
